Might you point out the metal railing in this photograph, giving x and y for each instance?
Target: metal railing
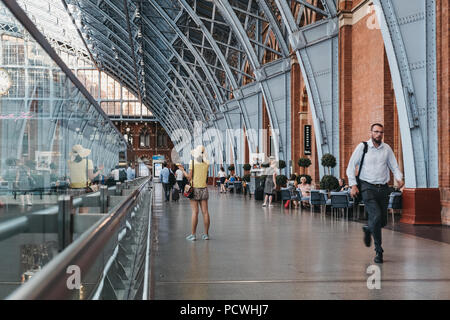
(108, 237)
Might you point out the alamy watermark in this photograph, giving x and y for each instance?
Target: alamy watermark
(374, 280)
(373, 21)
(219, 143)
(74, 280)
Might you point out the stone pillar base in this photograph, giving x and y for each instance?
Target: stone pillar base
(421, 206)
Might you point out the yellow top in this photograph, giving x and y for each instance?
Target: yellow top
(77, 172)
(200, 173)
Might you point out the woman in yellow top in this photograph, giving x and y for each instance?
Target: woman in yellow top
(200, 191)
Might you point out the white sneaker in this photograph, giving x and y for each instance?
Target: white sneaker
(270, 205)
(264, 205)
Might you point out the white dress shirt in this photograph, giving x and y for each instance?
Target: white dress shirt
(376, 166)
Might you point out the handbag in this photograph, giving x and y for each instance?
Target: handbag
(188, 188)
(358, 197)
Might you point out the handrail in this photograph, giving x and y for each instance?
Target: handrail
(11, 227)
(50, 283)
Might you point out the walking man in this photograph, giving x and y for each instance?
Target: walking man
(374, 177)
(165, 172)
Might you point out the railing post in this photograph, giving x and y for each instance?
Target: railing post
(104, 199)
(64, 221)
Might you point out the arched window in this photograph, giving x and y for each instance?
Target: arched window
(144, 139)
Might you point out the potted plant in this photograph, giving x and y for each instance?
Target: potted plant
(231, 168)
(281, 181)
(304, 163)
(282, 164)
(10, 162)
(247, 167)
(328, 161)
(329, 182)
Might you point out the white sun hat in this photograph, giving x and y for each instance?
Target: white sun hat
(199, 151)
(79, 150)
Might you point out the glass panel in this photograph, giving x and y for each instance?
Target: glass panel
(43, 119)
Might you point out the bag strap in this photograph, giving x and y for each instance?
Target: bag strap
(192, 178)
(87, 173)
(362, 160)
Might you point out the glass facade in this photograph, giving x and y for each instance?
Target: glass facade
(53, 21)
(42, 116)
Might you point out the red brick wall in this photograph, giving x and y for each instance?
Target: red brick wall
(443, 81)
(367, 80)
(154, 129)
(345, 98)
(296, 96)
(366, 91)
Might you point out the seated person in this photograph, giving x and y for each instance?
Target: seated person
(342, 186)
(231, 185)
(304, 190)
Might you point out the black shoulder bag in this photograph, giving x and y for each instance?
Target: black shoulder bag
(358, 198)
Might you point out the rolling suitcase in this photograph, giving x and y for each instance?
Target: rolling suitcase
(259, 193)
(175, 194)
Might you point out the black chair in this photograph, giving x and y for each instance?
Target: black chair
(238, 186)
(317, 198)
(285, 195)
(218, 184)
(340, 200)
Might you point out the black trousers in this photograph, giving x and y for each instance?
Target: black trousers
(167, 190)
(181, 185)
(376, 199)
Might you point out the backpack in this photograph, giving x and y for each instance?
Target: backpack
(122, 175)
(172, 179)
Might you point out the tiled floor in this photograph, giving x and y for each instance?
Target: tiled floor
(277, 253)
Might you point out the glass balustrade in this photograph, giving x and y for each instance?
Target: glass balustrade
(46, 120)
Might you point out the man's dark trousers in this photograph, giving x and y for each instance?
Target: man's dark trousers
(376, 199)
(181, 185)
(167, 189)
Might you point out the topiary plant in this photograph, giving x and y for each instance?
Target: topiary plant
(304, 163)
(231, 167)
(282, 164)
(10, 162)
(265, 165)
(329, 161)
(307, 176)
(329, 182)
(281, 180)
(247, 166)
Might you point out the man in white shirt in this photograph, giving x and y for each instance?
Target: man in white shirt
(180, 177)
(374, 177)
(115, 174)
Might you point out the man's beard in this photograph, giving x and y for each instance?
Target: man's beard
(377, 140)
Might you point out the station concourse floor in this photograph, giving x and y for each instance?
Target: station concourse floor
(291, 254)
